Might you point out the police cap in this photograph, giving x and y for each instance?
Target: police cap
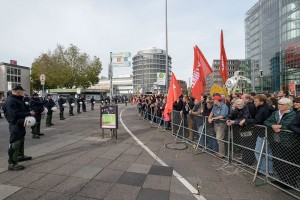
(18, 87)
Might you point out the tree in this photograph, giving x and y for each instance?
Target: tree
(65, 68)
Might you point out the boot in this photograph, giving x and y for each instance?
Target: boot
(13, 153)
(39, 129)
(61, 115)
(34, 131)
(51, 121)
(24, 158)
(15, 167)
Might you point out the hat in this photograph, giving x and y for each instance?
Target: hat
(217, 97)
(35, 94)
(297, 100)
(18, 87)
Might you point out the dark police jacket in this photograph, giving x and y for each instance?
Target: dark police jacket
(15, 113)
(49, 104)
(14, 109)
(60, 103)
(37, 106)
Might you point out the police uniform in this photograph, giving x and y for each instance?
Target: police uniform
(15, 113)
(83, 104)
(78, 104)
(71, 100)
(92, 103)
(36, 105)
(49, 105)
(61, 101)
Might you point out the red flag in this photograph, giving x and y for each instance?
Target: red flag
(223, 61)
(173, 93)
(200, 71)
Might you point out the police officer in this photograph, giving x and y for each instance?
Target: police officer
(36, 105)
(79, 102)
(125, 100)
(15, 113)
(26, 99)
(92, 102)
(49, 105)
(61, 104)
(71, 106)
(83, 104)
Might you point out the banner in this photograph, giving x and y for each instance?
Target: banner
(120, 59)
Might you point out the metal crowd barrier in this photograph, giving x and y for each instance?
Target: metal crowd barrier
(272, 157)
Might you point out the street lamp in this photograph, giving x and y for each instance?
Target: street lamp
(143, 89)
(167, 57)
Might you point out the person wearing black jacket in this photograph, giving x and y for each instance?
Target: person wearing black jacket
(36, 105)
(49, 105)
(79, 102)
(71, 106)
(248, 102)
(15, 113)
(295, 125)
(92, 102)
(83, 104)
(262, 113)
(61, 104)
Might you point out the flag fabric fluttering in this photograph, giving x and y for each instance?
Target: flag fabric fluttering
(201, 70)
(223, 60)
(173, 94)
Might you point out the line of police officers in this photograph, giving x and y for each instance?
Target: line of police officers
(18, 107)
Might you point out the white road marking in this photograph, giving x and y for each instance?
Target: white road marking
(177, 175)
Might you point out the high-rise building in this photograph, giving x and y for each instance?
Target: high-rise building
(272, 34)
(146, 66)
(244, 66)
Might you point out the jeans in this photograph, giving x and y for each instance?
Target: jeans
(262, 164)
(210, 142)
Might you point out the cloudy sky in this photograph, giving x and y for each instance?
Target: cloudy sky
(32, 27)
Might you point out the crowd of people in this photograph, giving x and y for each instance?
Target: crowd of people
(279, 114)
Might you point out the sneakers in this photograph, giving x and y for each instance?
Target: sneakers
(35, 136)
(39, 134)
(51, 124)
(24, 158)
(15, 167)
(48, 125)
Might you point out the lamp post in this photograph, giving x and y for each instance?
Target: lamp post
(167, 58)
(143, 89)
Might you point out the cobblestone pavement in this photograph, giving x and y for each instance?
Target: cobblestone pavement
(72, 161)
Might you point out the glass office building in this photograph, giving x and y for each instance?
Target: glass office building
(272, 35)
(146, 64)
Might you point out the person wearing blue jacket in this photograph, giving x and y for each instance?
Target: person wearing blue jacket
(36, 105)
(15, 113)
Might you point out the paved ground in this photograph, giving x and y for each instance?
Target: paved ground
(72, 161)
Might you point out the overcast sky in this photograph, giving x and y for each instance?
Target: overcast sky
(97, 27)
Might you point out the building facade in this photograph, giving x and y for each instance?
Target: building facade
(122, 85)
(244, 66)
(272, 35)
(12, 75)
(146, 64)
